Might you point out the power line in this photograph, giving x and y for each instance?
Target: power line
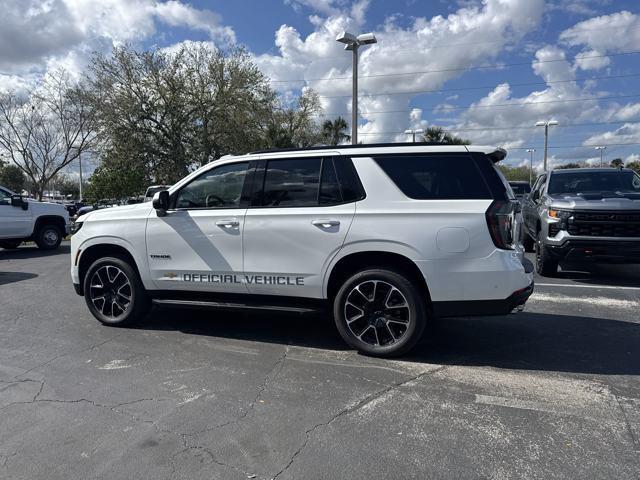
(460, 89)
(490, 106)
(456, 69)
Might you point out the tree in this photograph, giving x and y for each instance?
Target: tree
(12, 177)
(115, 179)
(45, 130)
(438, 135)
(161, 114)
(617, 163)
(635, 166)
(334, 132)
(568, 165)
(516, 173)
(295, 126)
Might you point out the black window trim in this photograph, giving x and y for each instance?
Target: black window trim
(244, 196)
(261, 175)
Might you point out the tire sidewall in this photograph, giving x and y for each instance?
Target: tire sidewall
(138, 295)
(416, 304)
(544, 265)
(40, 238)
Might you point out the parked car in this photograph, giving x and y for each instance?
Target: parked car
(520, 189)
(583, 215)
(23, 219)
(386, 237)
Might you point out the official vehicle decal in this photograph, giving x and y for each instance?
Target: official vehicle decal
(222, 278)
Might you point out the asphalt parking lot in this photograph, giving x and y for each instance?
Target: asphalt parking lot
(552, 392)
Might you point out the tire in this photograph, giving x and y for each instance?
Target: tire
(124, 299)
(10, 244)
(528, 243)
(545, 264)
(48, 237)
(380, 331)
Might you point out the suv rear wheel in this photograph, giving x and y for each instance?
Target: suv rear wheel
(48, 237)
(380, 312)
(114, 292)
(545, 264)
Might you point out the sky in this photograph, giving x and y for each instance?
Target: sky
(486, 70)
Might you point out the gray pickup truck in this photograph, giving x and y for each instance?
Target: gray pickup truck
(583, 214)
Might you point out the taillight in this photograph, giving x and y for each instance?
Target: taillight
(501, 217)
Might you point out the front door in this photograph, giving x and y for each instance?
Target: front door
(297, 223)
(197, 245)
(14, 221)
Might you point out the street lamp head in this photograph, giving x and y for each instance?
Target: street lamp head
(367, 39)
(408, 132)
(540, 124)
(530, 150)
(347, 38)
(552, 122)
(419, 130)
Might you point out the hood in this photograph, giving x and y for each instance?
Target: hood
(113, 213)
(596, 201)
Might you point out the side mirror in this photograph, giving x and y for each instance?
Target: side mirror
(161, 202)
(18, 201)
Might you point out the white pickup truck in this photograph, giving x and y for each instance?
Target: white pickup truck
(24, 219)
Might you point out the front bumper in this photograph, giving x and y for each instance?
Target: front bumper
(609, 251)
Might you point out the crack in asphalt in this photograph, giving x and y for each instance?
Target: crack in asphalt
(353, 408)
(634, 441)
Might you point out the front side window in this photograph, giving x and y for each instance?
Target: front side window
(5, 197)
(435, 177)
(219, 187)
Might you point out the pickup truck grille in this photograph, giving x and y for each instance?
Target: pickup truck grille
(605, 224)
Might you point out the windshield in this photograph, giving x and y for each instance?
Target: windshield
(594, 181)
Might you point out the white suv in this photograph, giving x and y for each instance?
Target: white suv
(386, 236)
(24, 219)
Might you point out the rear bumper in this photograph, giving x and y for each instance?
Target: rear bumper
(483, 307)
(596, 251)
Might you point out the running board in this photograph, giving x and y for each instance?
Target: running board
(227, 305)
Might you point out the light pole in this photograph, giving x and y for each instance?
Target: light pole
(530, 152)
(80, 160)
(602, 149)
(353, 43)
(546, 137)
(418, 131)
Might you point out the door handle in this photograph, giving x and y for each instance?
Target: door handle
(228, 223)
(325, 223)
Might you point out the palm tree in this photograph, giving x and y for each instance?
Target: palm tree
(438, 135)
(333, 132)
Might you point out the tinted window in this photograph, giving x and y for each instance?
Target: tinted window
(219, 187)
(520, 188)
(594, 181)
(291, 183)
(426, 177)
(329, 188)
(5, 198)
(350, 185)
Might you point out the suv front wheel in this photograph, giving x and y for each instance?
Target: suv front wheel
(114, 292)
(380, 312)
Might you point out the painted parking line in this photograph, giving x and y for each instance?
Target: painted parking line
(594, 301)
(571, 285)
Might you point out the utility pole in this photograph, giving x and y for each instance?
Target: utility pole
(353, 43)
(530, 151)
(546, 138)
(601, 148)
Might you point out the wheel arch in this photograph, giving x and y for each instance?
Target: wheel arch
(56, 220)
(354, 261)
(91, 253)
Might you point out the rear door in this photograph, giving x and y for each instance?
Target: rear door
(297, 222)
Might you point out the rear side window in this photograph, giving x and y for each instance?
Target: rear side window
(436, 177)
(292, 183)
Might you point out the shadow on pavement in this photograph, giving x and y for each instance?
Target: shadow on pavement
(529, 341)
(32, 251)
(12, 277)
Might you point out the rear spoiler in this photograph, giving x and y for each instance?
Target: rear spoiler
(497, 155)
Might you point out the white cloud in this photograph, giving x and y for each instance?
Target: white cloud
(469, 36)
(618, 32)
(627, 133)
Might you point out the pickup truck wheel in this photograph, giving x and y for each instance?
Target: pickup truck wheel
(48, 237)
(545, 264)
(10, 244)
(528, 243)
(114, 292)
(380, 312)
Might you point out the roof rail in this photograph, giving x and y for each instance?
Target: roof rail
(360, 145)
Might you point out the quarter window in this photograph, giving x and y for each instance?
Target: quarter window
(219, 187)
(435, 177)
